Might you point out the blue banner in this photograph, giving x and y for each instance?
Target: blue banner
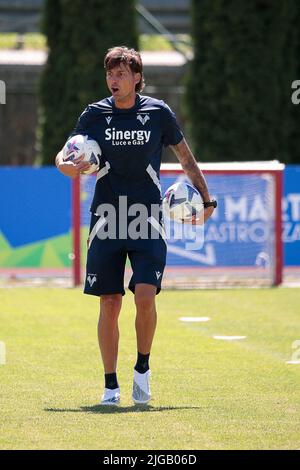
(291, 215)
(240, 231)
(35, 206)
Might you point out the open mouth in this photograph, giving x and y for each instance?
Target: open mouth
(114, 89)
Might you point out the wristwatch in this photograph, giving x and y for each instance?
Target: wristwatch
(212, 203)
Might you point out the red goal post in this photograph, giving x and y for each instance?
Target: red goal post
(235, 185)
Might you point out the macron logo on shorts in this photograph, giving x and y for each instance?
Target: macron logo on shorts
(91, 278)
(158, 274)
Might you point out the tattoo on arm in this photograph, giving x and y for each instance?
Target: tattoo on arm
(190, 167)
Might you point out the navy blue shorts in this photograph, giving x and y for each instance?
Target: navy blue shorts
(106, 260)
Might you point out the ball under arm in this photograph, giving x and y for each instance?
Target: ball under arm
(58, 158)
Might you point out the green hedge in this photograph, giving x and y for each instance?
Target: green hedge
(239, 86)
(78, 35)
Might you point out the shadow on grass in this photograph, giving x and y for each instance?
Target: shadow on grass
(100, 409)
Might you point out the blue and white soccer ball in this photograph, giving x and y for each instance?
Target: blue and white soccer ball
(79, 145)
(182, 201)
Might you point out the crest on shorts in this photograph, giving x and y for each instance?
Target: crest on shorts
(143, 119)
(91, 279)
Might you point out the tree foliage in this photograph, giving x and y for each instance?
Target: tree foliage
(78, 35)
(239, 86)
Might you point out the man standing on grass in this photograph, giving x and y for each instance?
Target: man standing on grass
(131, 130)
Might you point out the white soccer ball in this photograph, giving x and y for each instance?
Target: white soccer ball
(182, 201)
(79, 145)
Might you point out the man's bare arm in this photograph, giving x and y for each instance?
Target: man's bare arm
(190, 167)
(70, 168)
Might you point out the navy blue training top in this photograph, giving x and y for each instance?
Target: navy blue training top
(131, 141)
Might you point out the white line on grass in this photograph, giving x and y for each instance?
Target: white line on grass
(229, 338)
(194, 319)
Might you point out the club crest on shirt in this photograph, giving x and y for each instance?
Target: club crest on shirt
(143, 118)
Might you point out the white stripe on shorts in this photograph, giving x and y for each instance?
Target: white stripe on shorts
(157, 227)
(95, 230)
(103, 171)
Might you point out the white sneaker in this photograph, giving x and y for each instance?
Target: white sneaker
(141, 393)
(110, 397)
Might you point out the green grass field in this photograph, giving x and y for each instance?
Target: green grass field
(207, 394)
